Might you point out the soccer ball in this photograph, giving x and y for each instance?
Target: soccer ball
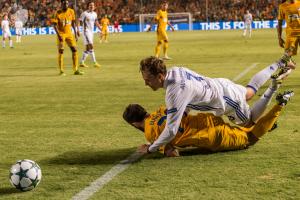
(25, 175)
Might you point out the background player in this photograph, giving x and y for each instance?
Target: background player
(88, 19)
(248, 23)
(187, 89)
(204, 131)
(63, 21)
(104, 30)
(162, 38)
(289, 11)
(116, 26)
(19, 27)
(6, 31)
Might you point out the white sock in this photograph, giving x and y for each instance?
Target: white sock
(10, 43)
(92, 53)
(262, 77)
(261, 105)
(84, 56)
(3, 43)
(245, 31)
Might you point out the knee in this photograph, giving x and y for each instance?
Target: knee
(166, 41)
(73, 49)
(250, 93)
(159, 43)
(60, 51)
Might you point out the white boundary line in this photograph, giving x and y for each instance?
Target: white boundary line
(87, 192)
(95, 186)
(238, 77)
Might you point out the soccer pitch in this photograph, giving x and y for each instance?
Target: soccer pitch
(72, 126)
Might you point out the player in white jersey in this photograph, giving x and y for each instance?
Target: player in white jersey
(248, 23)
(88, 20)
(187, 89)
(6, 31)
(19, 27)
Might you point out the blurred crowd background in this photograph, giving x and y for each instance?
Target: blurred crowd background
(126, 11)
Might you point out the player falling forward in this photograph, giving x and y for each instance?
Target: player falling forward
(19, 27)
(88, 20)
(289, 11)
(104, 30)
(6, 31)
(63, 21)
(162, 38)
(187, 89)
(204, 131)
(248, 24)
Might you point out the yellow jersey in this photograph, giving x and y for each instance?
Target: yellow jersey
(162, 20)
(290, 12)
(64, 19)
(104, 23)
(203, 130)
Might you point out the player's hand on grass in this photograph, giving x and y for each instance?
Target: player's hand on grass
(281, 42)
(143, 149)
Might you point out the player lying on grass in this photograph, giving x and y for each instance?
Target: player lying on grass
(204, 130)
(185, 89)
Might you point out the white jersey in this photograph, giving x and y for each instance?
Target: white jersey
(88, 20)
(187, 89)
(5, 26)
(248, 18)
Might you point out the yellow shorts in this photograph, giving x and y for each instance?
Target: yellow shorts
(104, 31)
(292, 42)
(225, 138)
(162, 35)
(66, 38)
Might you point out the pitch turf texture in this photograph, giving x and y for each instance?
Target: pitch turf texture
(73, 128)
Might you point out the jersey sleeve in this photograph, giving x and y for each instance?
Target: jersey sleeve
(158, 14)
(82, 16)
(177, 98)
(54, 18)
(281, 15)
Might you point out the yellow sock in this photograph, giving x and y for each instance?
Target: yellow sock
(265, 123)
(61, 62)
(165, 48)
(157, 49)
(75, 61)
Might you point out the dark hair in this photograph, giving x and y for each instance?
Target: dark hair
(134, 113)
(153, 65)
(88, 4)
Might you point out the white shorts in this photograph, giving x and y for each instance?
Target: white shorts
(18, 31)
(234, 101)
(6, 34)
(88, 37)
(248, 26)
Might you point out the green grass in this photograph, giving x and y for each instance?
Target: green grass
(72, 126)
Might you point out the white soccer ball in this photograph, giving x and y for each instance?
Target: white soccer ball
(25, 175)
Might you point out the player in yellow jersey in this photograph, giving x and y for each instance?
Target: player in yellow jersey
(204, 131)
(162, 38)
(104, 30)
(290, 12)
(63, 21)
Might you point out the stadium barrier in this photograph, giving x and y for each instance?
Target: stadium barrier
(181, 26)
